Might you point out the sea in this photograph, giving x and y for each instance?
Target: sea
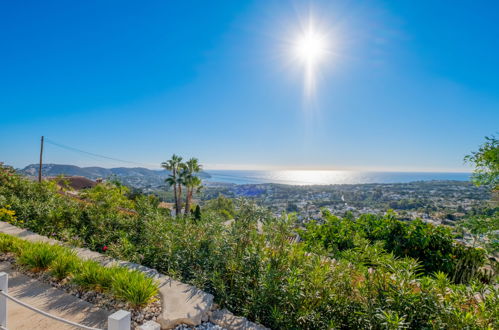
(322, 177)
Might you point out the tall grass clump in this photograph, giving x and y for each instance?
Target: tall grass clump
(133, 286)
(38, 256)
(64, 265)
(92, 275)
(10, 244)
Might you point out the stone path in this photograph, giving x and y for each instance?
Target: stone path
(49, 299)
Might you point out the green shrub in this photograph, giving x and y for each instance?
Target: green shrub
(433, 246)
(10, 243)
(64, 264)
(92, 275)
(7, 215)
(372, 272)
(133, 286)
(38, 256)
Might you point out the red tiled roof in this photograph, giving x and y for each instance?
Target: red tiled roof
(75, 182)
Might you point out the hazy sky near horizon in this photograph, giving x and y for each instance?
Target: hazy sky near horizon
(409, 85)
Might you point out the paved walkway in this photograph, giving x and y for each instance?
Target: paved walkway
(49, 299)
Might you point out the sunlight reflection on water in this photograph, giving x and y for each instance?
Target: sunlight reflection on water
(317, 177)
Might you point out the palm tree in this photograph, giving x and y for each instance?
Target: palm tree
(193, 166)
(191, 181)
(174, 179)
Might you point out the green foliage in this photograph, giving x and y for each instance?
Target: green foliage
(486, 161)
(468, 262)
(192, 183)
(197, 213)
(38, 256)
(222, 206)
(61, 262)
(175, 180)
(7, 215)
(483, 229)
(133, 287)
(433, 246)
(373, 272)
(92, 275)
(64, 265)
(108, 195)
(10, 244)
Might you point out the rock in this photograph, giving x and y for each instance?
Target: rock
(202, 326)
(150, 325)
(226, 319)
(182, 304)
(206, 317)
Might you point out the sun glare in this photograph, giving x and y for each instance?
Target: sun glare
(310, 49)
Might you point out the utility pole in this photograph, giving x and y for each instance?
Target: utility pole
(41, 159)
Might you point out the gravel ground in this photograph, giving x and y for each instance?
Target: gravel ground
(202, 326)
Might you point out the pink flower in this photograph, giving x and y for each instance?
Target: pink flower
(104, 248)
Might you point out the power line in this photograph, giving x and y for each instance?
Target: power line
(92, 154)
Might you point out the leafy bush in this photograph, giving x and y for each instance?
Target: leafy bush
(7, 215)
(433, 246)
(372, 272)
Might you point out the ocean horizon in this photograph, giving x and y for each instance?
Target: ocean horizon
(327, 177)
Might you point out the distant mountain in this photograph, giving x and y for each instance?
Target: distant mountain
(139, 177)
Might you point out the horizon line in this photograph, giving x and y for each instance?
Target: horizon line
(255, 167)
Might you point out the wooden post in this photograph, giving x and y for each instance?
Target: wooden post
(4, 287)
(121, 320)
(41, 159)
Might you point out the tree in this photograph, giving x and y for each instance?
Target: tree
(175, 179)
(191, 181)
(486, 161)
(484, 230)
(222, 205)
(197, 213)
(193, 184)
(483, 227)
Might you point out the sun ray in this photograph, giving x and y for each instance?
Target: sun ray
(310, 49)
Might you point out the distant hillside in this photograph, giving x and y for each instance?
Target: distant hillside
(139, 177)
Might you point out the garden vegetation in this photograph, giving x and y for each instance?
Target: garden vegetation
(371, 272)
(62, 263)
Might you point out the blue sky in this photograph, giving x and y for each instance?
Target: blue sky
(412, 85)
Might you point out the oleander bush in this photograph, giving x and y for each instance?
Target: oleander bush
(372, 272)
(433, 246)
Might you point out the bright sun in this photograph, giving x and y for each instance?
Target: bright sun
(310, 47)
